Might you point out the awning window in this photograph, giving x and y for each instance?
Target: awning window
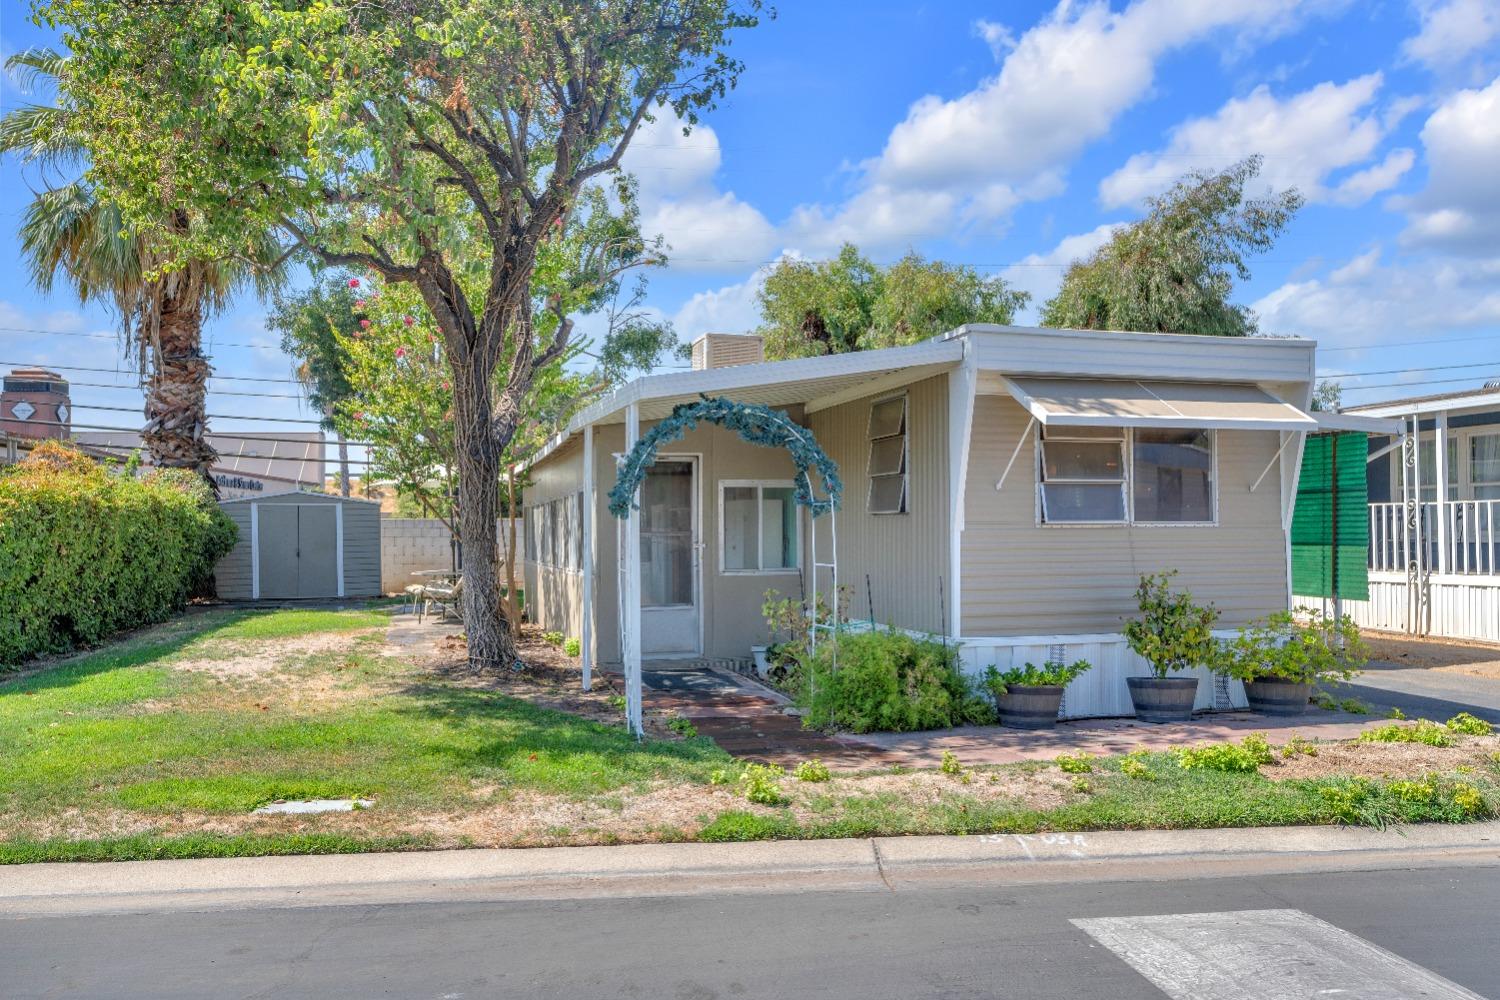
(1061, 402)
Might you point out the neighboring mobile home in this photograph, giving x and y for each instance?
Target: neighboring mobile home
(1434, 496)
(1005, 488)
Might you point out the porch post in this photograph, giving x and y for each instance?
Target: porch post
(1441, 452)
(586, 627)
(963, 384)
(630, 559)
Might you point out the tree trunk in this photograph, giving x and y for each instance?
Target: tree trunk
(491, 640)
(344, 465)
(177, 384)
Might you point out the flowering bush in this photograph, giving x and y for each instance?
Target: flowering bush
(84, 553)
(1305, 647)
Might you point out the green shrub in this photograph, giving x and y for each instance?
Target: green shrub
(1305, 647)
(572, 646)
(1469, 725)
(85, 553)
(812, 770)
(1134, 765)
(718, 776)
(1171, 632)
(888, 681)
(1052, 673)
(761, 784)
(552, 638)
(950, 764)
(1422, 731)
(683, 728)
(1080, 763)
(1243, 757)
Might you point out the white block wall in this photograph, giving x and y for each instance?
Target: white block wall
(408, 544)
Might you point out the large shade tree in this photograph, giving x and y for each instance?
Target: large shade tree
(850, 303)
(73, 231)
(401, 138)
(1174, 270)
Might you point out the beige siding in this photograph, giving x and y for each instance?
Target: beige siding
(904, 555)
(1022, 578)
(232, 574)
(554, 596)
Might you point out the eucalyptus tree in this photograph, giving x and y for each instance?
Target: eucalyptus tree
(401, 138)
(74, 230)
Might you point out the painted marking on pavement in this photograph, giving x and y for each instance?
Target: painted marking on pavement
(1263, 955)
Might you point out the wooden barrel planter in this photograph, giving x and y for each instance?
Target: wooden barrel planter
(1163, 699)
(1275, 696)
(1030, 707)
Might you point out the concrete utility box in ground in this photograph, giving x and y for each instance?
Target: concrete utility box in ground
(301, 546)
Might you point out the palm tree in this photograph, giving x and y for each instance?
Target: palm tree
(74, 231)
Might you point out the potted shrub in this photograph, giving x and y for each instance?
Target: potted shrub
(1283, 656)
(1172, 634)
(1029, 697)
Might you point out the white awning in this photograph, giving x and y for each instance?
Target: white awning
(1066, 402)
(1358, 422)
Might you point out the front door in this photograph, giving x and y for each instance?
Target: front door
(671, 601)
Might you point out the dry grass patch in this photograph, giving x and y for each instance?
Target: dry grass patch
(1385, 760)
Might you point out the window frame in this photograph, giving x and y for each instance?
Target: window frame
(1127, 483)
(870, 441)
(1475, 485)
(760, 486)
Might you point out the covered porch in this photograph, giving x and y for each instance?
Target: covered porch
(1434, 556)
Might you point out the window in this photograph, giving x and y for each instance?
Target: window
(887, 465)
(1172, 476)
(1427, 456)
(1086, 479)
(758, 527)
(1484, 466)
(1083, 475)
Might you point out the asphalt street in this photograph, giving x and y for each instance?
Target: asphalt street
(1382, 935)
(1425, 693)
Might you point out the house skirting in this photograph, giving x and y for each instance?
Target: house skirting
(1450, 606)
(1101, 692)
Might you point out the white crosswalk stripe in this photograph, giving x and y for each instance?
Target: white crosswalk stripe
(1264, 955)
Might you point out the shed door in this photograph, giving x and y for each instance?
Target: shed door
(298, 554)
(277, 534)
(317, 554)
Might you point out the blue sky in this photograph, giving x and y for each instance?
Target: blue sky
(1011, 136)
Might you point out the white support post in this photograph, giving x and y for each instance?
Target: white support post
(630, 628)
(586, 639)
(1441, 452)
(338, 528)
(255, 552)
(963, 385)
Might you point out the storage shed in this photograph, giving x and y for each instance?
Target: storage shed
(301, 545)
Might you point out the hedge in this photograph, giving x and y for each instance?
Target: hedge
(86, 552)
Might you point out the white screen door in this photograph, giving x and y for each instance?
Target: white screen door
(670, 598)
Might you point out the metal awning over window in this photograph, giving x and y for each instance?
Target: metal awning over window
(1068, 402)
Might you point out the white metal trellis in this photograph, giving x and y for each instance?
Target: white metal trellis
(832, 624)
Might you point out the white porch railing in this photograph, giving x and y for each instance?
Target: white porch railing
(1457, 536)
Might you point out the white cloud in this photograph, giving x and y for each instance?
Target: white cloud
(1452, 30)
(1304, 139)
(1459, 209)
(705, 229)
(1367, 301)
(1041, 273)
(730, 309)
(1061, 86)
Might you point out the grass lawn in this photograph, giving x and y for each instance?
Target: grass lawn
(163, 745)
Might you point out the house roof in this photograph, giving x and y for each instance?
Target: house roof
(1466, 399)
(994, 351)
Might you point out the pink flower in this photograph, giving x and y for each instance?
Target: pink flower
(447, 385)
(359, 303)
(407, 320)
(353, 282)
(360, 415)
(400, 352)
(364, 324)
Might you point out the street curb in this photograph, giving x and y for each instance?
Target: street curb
(887, 863)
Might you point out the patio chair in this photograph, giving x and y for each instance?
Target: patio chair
(446, 598)
(412, 602)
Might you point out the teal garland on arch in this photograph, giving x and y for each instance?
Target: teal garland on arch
(754, 423)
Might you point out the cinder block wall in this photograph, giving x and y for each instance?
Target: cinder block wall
(408, 544)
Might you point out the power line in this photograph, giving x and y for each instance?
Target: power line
(1405, 343)
(211, 391)
(116, 371)
(1405, 371)
(1408, 385)
(222, 434)
(257, 458)
(211, 416)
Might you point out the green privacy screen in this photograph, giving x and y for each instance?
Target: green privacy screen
(1332, 514)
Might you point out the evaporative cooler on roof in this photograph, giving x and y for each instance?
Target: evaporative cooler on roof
(1330, 527)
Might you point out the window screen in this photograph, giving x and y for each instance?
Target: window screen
(888, 457)
(1082, 477)
(759, 527)
(1172, 476)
